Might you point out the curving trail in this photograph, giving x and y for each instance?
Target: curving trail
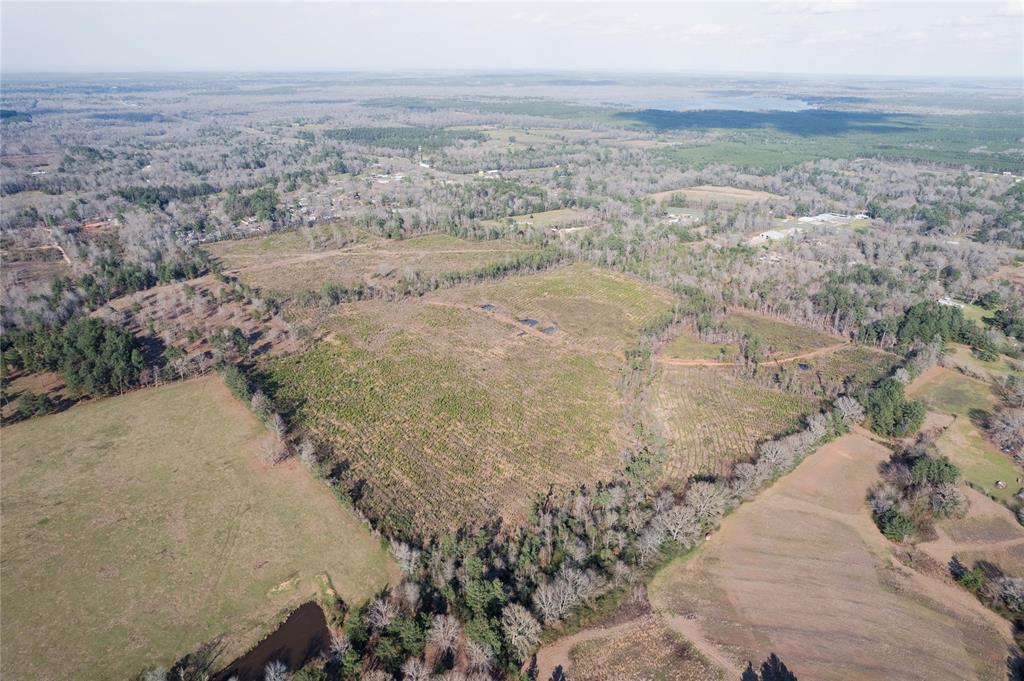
(827, 350)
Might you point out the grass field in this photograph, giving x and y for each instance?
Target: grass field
(803, 572)
(560, 217)
(706, 194)
(137, 527)
(688, 345)
(778, 338)
(959, 355)
(967, 398)
(290, 264)
(714, 418)
(450, 415)
(586, 305)
(651, 651)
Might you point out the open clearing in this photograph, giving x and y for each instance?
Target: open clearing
(967, 399)
(803, 572)
(648, 650)
(706, 194)
(960, 356)
(713, 417)
(147, 522)
(442, 415)
(779, 339)
(199, 307)
(561, 217)
(290, 264)
(592, 307)
(989, 533)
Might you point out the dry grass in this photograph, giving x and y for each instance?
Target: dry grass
(450, 415)
(713, 417)
(707, 194)
(137, 527)
(584, 305)
(651, 651)
(803, 572)
(293, 263)
(171, 313)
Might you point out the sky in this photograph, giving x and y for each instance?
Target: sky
(959, 39)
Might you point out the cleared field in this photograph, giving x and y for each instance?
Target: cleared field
(981, 463)
(846, 370)
(778, 338)
(559, 217)
(989, 534)
(705, 194)
(650, 651)
(137, 527)
(287, 264)
(186, 315)
(803, 572)
(959, 355)
(688, 345)
(714, 418)
(443, 416)
(583, 304)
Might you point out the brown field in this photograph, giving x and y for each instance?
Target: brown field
(988, 533)
(291, 263)
(31, 273)
(651, 650)
(169, 313)
(723, 196)
(803, 572)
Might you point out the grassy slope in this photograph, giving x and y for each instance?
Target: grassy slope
(148, 524)
(979, 460)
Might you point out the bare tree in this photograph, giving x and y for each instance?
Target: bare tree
(849, 410)
(380, 613)
(444, 633)
(479, 656)
(276, 671)
(681, 525)
(707, 501)
(521, 630)
(340, 644)
(407, 557)
(415, 670)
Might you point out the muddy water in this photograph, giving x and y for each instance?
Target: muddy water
(299, 638)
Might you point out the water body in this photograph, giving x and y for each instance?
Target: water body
(299, 638)
(743, 103)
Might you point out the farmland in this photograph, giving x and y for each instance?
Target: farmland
(137, 527)
(713, 417)
(707, 194)
(287, 265)
(778, 339)
(790, 571)
(450, 416)
(592, 307)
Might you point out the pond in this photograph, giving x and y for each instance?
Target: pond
(301, 637)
